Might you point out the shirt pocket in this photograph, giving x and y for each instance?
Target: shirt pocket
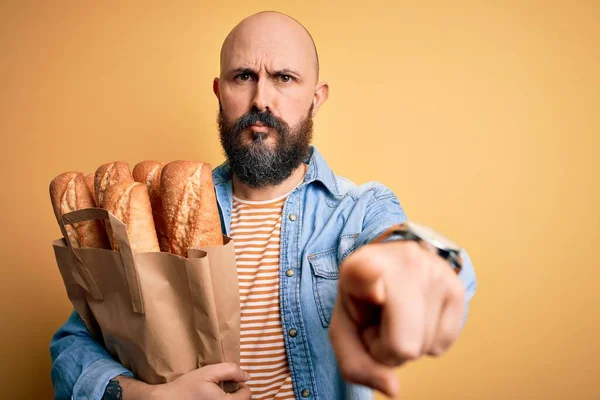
(326, 274)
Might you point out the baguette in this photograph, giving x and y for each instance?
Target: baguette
(149, 173)
(109, 174)
(69, 192)
(190, 206)
(89, 181)
(130, 203)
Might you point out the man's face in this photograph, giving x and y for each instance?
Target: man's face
(267, 95)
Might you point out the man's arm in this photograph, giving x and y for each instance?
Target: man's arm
(199, 384)
(81, 367)
(384, 211)
(396, 301)
(126, 388)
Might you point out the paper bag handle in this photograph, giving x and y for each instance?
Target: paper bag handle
(120, 234)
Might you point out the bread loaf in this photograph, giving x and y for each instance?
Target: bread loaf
(109, 174)
(130, 203)
(190, 206)
(89, 181)
(69, 192)
(149, 173)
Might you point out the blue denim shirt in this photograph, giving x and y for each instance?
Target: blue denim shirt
(324, 219)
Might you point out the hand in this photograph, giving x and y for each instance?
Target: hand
(203, 384)
(396, 302)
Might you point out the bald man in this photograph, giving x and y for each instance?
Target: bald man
(328, 310)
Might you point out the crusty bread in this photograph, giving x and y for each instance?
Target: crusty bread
(190, 206)
(89, 181)
(149, 173)
(130, 203)
(69, 192)
(109, 174)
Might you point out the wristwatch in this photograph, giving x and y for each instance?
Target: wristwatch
(427, 238)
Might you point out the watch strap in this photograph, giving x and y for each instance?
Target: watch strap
(402, 232)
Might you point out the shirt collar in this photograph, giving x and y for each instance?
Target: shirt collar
(317, 170)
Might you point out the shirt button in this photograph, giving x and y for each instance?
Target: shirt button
(293, 217)
(305, 393)
(289, 272)
(292, 332)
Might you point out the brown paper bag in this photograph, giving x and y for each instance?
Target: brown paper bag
(159, 314)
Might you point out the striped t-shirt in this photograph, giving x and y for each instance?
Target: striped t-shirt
(255, 229)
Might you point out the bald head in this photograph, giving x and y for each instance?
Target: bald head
(274, 38)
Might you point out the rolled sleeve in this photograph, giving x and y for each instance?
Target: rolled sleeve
(94, 379)
(81, 367)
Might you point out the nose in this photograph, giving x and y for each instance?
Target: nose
(263, 99)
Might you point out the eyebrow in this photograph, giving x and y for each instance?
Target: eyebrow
(287, 71)
(248, 70)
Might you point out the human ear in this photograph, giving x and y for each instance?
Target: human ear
(321, 95)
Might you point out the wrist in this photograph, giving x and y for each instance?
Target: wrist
(132, 389)
(155, 392)
(427, 238)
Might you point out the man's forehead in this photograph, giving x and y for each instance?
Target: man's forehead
(270, 53)
(270, 40)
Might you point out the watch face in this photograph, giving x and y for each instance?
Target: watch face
(432, 237)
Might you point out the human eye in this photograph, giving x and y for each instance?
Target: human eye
(285, 78)
(244, 77)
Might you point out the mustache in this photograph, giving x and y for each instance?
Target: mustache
(253, 116)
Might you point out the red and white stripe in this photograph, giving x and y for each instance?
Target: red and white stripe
(255, 229)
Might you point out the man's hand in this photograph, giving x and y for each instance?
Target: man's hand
(203, 384)
(199, 384)
(396, 302)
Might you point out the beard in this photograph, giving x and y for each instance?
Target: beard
(258, 164)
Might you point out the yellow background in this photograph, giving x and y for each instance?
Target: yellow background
(482, 116)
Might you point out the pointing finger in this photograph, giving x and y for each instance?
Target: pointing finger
(356, 365)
